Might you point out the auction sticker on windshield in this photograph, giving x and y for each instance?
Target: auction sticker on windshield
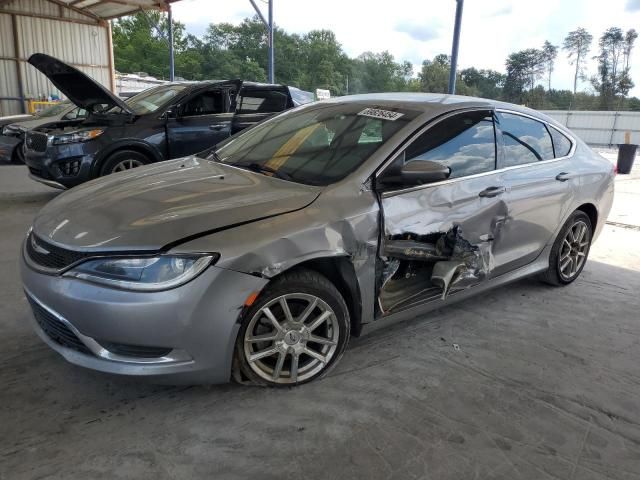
(379, 113)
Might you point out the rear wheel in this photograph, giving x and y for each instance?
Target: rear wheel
(123, 160)
(570, 250)
(295, 332)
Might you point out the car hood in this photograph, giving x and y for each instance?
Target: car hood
(78, 87)
(30, 124)
(13, 118)
(158, 205)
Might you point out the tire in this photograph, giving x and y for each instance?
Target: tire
(123, 160)
(568, 253)
(310, 297)
(18, 155)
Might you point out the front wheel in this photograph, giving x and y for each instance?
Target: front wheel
(123, 160)
(570, 250)
(295, 332)
(18, 154)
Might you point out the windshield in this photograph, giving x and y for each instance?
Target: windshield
(54, 110)
(316, 145)
(151, 100)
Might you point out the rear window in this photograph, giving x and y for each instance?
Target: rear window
(262, 101)
(525, 140)
(561, 143)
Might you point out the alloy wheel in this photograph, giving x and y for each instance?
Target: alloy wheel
(574, 249)
(291, 338)
(126, 165)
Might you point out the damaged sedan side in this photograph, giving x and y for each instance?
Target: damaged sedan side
(264, 256)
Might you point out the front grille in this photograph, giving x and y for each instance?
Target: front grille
(56, 330)
(50, 256)
(138, 351)
(36, 141)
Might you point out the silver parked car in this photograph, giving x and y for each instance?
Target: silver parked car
(260, 258)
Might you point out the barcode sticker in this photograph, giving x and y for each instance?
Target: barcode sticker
(379, 113)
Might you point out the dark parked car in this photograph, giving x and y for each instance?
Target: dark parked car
(265, 257)
(169, 121)
(13, 134)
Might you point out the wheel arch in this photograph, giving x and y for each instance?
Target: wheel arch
(592, 212)
(136, 145)
(340, 271)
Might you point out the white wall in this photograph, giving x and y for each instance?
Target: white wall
(44, 27)
(599, 128)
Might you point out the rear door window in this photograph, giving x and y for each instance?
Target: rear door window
(525, 140)
(262, 101)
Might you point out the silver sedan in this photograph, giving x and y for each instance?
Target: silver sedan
(259, 259)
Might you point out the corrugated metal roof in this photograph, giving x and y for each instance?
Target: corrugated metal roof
(86, 9)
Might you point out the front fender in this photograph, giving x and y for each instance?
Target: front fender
(152, 151)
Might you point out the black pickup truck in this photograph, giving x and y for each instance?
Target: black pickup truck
(168, 121)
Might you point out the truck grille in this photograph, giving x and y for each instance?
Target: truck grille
(49, 256)
(56, 330)
(36, 141)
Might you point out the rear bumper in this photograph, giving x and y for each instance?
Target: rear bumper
(197, 323)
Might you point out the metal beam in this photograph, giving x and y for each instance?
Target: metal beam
(16, 52)
(268, 23)
(454, 47)
(48, 17)
(271, 46)
(75, 9)
(170, 41)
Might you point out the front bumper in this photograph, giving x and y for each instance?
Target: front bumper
(197, 322)
(8, 146)
(52, 166)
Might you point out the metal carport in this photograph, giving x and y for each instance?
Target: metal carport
(76, 31)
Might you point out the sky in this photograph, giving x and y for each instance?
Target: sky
(414, 30)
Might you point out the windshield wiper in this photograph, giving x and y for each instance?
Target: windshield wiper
(256, 167)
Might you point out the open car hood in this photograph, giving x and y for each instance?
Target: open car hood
(75, 85)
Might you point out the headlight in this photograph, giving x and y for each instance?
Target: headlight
(75, 137)
(143, 273)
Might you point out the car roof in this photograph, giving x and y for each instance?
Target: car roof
(434, 103)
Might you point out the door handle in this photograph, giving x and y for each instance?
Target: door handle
(216, 126)
(563, 177)
(492, 192)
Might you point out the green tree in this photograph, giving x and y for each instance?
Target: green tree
(484, 83)
(524, 68)
(140, 44)
(549, 54)
(379, 72)
(613, 77)
(577, 45)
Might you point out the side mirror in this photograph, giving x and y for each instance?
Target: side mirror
(172, 112)
(419, 172)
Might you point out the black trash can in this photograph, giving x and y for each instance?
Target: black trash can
(626, 156)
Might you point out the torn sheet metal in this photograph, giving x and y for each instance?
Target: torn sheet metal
(420, 265)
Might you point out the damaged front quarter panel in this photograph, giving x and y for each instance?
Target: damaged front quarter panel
(333, 228)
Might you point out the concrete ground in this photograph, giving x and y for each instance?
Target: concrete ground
(544, 384)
